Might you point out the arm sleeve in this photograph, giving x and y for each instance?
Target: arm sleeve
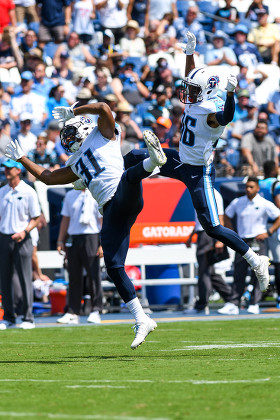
(226, 116)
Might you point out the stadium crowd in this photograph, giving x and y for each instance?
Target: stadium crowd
(127, 53)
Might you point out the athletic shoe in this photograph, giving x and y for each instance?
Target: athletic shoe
(253, 309)
(68, 319)
(262, 273)
(142, 329)
(4, 325)
(195, 311)
(229, 309)
(156, 153)
(94, 318)
(25, 325)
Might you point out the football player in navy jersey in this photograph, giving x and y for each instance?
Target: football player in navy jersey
(203, 122)
(97, 163)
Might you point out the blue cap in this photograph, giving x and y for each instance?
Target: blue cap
(26, 75)
(9, 163)
(241, 28)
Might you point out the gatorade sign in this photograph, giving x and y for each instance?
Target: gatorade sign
(172, 232)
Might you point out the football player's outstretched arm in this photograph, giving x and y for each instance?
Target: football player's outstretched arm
(106, 122)
(188, 47)
(56, 177)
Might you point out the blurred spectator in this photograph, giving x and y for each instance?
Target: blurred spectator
(175, 117)
(133, 134)
(112, 15)
(78, 52)
(107, 52)
(33, 57)
(83, 11)
(220, 54)
(190, 23)
(247, 53)
(273, 105)
(252, 82)
(246, 124)
(230, 13)
(42, 156)
(7, 14)
(84, 96)
(240, 107)
(166, 33)
(102, 86)
(10, 55)
(26, 11)
(56, 98)
(131, 44)
(161, 129)
(266, 37)
(53, 131)
(159, 8)
(28, 101)
(4, 141)
(73, 86)
(55, 18)
(159, 105)
(29, 41)
(139, 10)
(257, 147)
(27, 140)
(253, 10)
(163, 74)
(42, 84)
(62, 72)
(128, 87)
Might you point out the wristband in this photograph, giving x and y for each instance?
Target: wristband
(26, 232)
(269, 233)
(60, 242)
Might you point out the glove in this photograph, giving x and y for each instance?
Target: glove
(79, 185)
(14, 151)
(231, 83)
(63, 113)
(189, 43)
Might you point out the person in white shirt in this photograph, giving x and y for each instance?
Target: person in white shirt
(81, 221)
(19, 214)
(97, 163)
(252, 213)
(25, 137)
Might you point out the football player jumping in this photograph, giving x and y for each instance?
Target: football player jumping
(203, 122)
(97, 163)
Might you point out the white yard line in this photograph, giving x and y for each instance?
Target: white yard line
(95, 386)
(76, 416)
(224, 346)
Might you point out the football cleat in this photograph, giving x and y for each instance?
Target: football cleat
(156, 153)
(142, 329)
(262, 272)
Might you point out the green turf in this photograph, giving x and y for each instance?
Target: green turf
(91, 373)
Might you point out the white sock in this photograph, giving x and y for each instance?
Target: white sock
(136, 310)
(252, 258)
(148, 165)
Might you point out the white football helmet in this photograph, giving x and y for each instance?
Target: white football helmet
(200, 84)
(74, 132)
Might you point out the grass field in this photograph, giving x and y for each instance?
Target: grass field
(222, 370)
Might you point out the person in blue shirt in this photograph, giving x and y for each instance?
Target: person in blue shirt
(247, 53)
(270, 190)
(56, 99)
(41, 84)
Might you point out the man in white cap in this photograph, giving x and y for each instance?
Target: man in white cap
(19, 215)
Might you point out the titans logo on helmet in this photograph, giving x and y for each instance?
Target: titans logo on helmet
(85, 120)
(213, 81)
